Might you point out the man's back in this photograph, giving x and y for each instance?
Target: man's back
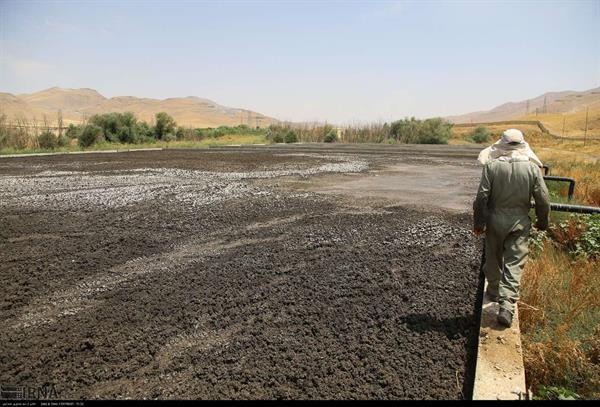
(513, 181)
(507, 186)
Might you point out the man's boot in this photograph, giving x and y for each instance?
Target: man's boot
(505, 317)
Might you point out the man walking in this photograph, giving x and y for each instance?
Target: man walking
(511, 177)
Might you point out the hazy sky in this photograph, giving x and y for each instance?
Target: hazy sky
(336, 61)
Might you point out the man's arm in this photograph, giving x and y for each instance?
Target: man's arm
(542, 201)
(481, 201)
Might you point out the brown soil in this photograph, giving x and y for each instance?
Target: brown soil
(222, 274)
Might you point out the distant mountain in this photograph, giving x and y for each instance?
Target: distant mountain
(550, 103)
(77, 104)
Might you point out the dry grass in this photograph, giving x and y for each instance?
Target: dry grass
(561, 319)
(574, 123)
(560, 323)
(585, 169)
(538, 140)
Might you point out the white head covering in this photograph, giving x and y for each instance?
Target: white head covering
(511, 145)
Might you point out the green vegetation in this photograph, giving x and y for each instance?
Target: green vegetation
(331, 136)
(429, 131)
(556, 393)
(119, 130)
(578, 235)
(220, 132)
(165, 127)
(116, 129)
(409, 130)
(90, 134)
(481, 134)
(280, 134)
(48, 140)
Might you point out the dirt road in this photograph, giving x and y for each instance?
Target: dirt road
(304, 271)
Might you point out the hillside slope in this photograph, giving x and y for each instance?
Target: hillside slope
(551, 109)
(548, 103)
(77, 104)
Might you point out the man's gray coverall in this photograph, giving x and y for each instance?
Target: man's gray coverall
(502, 209)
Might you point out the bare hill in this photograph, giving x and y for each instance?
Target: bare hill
(77, 104)
(551, 103)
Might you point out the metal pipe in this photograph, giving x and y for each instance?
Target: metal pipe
(560, 207)
(571, 182)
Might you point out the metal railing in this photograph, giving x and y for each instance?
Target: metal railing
(571, 182)
(564, 207)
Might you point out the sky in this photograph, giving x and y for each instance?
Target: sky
(335, 61)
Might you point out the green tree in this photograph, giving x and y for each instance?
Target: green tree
(165, 124)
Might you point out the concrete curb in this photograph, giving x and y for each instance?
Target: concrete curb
(499, 371)
(127, 150)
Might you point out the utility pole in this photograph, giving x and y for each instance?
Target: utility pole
(545, 104)
(563, 132)
(527, 107)
(586, 126)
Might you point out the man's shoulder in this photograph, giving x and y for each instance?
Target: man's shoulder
(504, 161)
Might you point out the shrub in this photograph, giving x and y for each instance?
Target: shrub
(481, 134)
(47, 140)
(90, 135)
(580, 235)
(435, 131)
(430, 131)
(406, 130)
(291, 137)
(72, 131)
(169, 137)
(117, 127)
(180, 133)
(555, 393)
(63, 141)
(331, 136)
(276, 134)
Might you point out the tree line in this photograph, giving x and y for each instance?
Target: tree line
(125, 128)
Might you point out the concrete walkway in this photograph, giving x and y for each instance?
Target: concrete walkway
(499, 374)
